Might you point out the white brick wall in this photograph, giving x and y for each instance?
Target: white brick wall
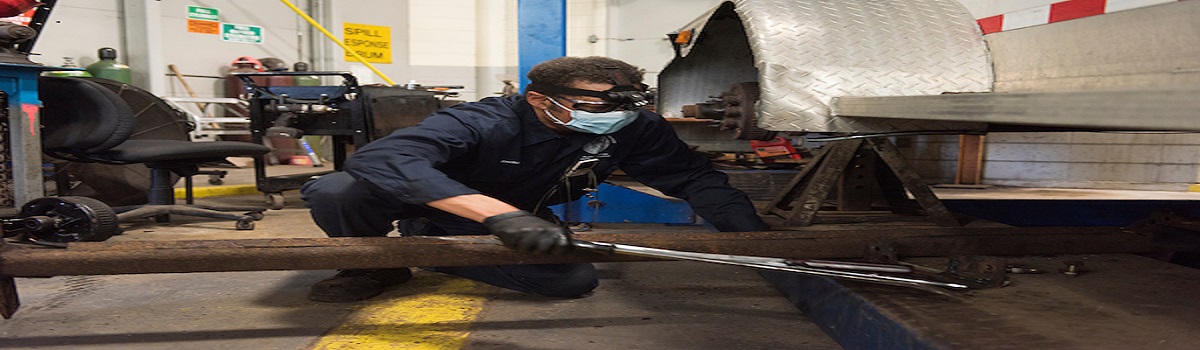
(442, 46)
(1074, 160)
(638, 30)
(442, 33)
(586, 18)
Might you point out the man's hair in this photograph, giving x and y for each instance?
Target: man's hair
(563, 71)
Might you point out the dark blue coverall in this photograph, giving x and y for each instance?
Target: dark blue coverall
(497, 147)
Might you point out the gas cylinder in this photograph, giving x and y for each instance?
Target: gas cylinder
(272, 64)
(68, 62)
(108, 68)
(305, 80)
(233, 85)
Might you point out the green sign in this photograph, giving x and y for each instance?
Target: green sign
(241, 33)
(203, 13)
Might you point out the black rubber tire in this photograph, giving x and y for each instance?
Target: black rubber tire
(100, 220)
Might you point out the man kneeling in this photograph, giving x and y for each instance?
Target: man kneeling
(493, 167)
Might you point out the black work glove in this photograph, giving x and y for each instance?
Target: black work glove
(524, 232)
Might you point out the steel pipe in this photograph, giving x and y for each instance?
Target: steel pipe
(105, 258)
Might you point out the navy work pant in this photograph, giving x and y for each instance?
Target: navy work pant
(345, 207)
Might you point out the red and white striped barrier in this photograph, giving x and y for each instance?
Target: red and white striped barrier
(1058, 12)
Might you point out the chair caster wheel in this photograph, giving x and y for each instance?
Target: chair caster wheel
(245, 224)
(215, 180)
(274, 201)
(254, 215)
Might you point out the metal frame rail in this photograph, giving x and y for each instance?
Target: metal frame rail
(137, 257)
(1174, 110)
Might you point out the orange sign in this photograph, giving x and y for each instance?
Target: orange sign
(203, 27)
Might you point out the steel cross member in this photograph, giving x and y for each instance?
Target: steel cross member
(136, 257)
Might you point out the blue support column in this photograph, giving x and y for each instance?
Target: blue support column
(541, 33)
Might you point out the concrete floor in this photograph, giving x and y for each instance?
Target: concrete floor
(649, 305)
(1116, 301)
(664, 305)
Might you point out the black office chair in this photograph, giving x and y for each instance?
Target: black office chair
(85, 122)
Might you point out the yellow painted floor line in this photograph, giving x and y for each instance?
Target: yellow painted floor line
(432, 311)
(215, 191)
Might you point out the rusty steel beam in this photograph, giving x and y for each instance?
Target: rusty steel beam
(105, 258)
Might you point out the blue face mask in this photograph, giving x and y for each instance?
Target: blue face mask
(594, 123)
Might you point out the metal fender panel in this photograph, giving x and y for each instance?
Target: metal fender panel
(804, 53)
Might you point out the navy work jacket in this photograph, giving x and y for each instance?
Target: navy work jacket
(497, 147)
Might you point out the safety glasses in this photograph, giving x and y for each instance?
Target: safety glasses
(588, 106)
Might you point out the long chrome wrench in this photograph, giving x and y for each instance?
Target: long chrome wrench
(824, 268)
(854, 271)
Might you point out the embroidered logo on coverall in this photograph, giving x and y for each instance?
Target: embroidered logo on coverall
(600, 144)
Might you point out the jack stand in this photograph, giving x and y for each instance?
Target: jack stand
(861, 169)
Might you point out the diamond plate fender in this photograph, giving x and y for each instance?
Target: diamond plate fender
(805, 53)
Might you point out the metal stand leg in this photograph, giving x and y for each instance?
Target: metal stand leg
(859, 168)
(908, 177)
(9, 302)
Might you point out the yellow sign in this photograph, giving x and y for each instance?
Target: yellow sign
(373, 43)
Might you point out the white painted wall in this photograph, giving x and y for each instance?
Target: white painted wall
(988, 8)
(443, 46)
(638, 29)
(1137, 161)
(587, 24)
(496, 46)
(77, 28)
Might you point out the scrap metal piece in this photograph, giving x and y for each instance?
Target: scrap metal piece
(977, 271)
(1072, 268)
(1022, 269)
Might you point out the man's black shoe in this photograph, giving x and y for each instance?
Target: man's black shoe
(355, 285)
